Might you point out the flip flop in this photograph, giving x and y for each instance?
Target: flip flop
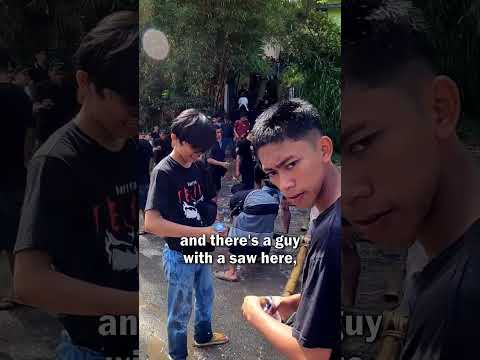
(217, 339)
(222, 275)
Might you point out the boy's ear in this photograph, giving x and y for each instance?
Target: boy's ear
(446, 106)
(326, 148)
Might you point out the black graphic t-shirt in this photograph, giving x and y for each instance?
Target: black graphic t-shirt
(318, 320)
(177, 193)
(81, 208)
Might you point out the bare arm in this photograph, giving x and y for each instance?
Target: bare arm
(216, 162)
(156, 224)
(36, 284)
(278, 334)
(286, 306)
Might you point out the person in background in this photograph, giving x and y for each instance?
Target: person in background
(241, 128)
(217, 166)
(59, 102)
(245, 163)
(40, 66)
(76, 252)
(16, 115)
(228, 135)
(23, 78)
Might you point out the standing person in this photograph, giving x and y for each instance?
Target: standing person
(243, 103)
(16, 113)
(227, 134)
(217, 165)
(59, 102)
(241, 128)
(245, 163)
(24, 80)
(254, 213)
(77, 244)
(165, 145)
(407, 176)
(155, 134)
(179, 190)
(40, 66)
(289, 144)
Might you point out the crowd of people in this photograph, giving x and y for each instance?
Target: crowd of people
(272, 163)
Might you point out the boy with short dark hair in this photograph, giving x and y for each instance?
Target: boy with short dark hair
(296, 156)
(77, 244)
(407, 176)
(179, 204)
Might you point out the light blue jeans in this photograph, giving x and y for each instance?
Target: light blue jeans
(67, 350)
(183, 279)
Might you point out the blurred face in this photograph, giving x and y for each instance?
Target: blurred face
(289, 165)
(155, 129)
(114, 113)
(185, 151)
(390, 161)
(218, 134)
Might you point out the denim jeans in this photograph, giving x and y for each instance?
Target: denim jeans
(183, 279)
(67, 350)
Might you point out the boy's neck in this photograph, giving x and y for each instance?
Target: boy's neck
(456, 204)
(331, 188)
(94, 129)
(179, 159)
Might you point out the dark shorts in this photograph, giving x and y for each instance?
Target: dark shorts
(10, 211)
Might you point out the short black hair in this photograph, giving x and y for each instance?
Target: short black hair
(109, 54)
(193, 127)
(291, 119)
(381, 37)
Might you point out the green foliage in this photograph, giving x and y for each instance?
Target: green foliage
(311, 44)
(210, 41)
(214, 41)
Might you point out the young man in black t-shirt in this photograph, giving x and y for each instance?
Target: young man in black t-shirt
(245, 163)
(217, 165)
(407, 176)
(297, 158)
(16, 115)
(179, 205)
(77, 244)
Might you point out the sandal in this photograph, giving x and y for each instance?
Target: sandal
(222, 275)
(217, 339)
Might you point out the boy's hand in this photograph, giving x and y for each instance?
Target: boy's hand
(279, 307)
(252, 306)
